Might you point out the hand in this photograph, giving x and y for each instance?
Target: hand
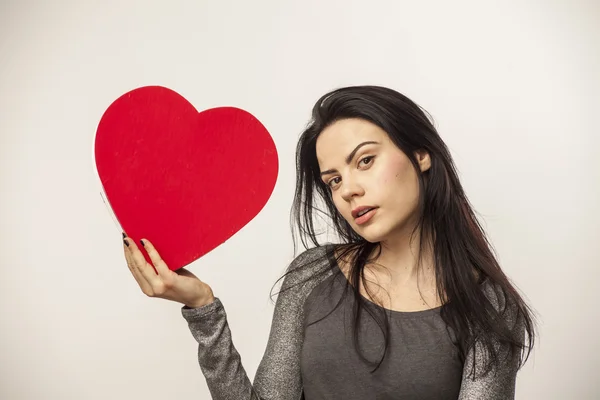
(159, 281)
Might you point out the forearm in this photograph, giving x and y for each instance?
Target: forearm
(219, 360)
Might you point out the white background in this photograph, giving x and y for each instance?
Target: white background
(513, 87)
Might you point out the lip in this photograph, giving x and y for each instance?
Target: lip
(359, 209)
(366, 217)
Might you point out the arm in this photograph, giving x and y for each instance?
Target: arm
(219, 360)
(500, 382)
(278, 375)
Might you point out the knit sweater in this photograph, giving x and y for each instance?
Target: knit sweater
(314, 361)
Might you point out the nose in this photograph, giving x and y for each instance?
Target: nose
(350, 189)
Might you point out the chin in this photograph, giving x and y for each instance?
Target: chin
(379, 231)
(372, 233)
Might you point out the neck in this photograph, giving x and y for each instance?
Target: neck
(400, 257)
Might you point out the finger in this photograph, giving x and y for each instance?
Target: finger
(141, 265)
(127, 255)
(141, 281)
(161, 267)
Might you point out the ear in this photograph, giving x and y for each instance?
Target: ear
(423, 159)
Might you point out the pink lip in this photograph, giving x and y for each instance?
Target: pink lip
(365, 217)
(359, 209)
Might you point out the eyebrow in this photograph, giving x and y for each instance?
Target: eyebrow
(350, 156)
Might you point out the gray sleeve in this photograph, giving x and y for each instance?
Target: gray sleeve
(278, 375)
(219, 360)
(500, 382)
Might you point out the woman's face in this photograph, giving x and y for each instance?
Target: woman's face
(364, 168)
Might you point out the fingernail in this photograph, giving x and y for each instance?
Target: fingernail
(124, 235)
(125, 241)
(142, 242)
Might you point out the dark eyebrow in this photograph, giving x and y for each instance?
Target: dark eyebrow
(350, 156)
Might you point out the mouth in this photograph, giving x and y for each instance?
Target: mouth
(360, 211)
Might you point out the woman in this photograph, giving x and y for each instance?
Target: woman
(411, 304)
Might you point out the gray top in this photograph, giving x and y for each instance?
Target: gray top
(318, 361)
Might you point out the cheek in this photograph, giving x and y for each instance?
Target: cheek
(400, 181)
(398, 171)
(341, 206)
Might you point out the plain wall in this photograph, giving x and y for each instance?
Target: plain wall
(513, 87)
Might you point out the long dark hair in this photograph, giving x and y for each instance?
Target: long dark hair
(463, 257)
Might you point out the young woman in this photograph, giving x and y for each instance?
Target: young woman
(410, 304)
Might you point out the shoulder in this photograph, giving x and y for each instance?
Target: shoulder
(493, 293)
(506, 305)
(500, 298)
(316, 255)
(308, 269)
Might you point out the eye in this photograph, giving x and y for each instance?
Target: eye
(366, 160)
(333, 181)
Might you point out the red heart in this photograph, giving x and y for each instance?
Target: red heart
(187, 181)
